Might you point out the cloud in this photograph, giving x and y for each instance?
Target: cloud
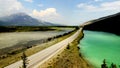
(106, 6)
(49, 14)
(29, 1)
(85, 6)
(10, 6)
(97, 0)
(40, 5)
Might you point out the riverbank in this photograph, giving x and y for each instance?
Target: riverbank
(70, 57)
(15, 57)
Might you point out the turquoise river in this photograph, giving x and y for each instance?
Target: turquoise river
(97, 46)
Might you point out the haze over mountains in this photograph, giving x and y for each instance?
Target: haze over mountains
(22, 19)
(106, 24)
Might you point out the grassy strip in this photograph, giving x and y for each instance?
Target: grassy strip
(68, 58)
(13, 58)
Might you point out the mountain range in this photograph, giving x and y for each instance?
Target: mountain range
(22, 19)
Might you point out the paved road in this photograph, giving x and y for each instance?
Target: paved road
(37, 59)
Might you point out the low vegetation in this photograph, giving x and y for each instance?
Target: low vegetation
(70, 57)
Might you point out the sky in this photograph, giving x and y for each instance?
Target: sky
(68, 12)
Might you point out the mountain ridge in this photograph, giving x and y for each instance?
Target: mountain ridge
(109, 24)
(22, 19)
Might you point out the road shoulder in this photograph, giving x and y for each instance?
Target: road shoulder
(69, 57)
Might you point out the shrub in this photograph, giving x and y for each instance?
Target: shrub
(68, 46)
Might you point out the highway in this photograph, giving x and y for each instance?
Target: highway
(39, 58)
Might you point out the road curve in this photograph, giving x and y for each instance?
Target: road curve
(37, 59)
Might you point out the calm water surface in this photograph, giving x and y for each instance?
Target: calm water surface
(96, 46)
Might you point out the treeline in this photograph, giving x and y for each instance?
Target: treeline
(31, 28)
(24, 28)
(104, 65)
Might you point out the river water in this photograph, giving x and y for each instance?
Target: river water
(96, 46)
(17, 38)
